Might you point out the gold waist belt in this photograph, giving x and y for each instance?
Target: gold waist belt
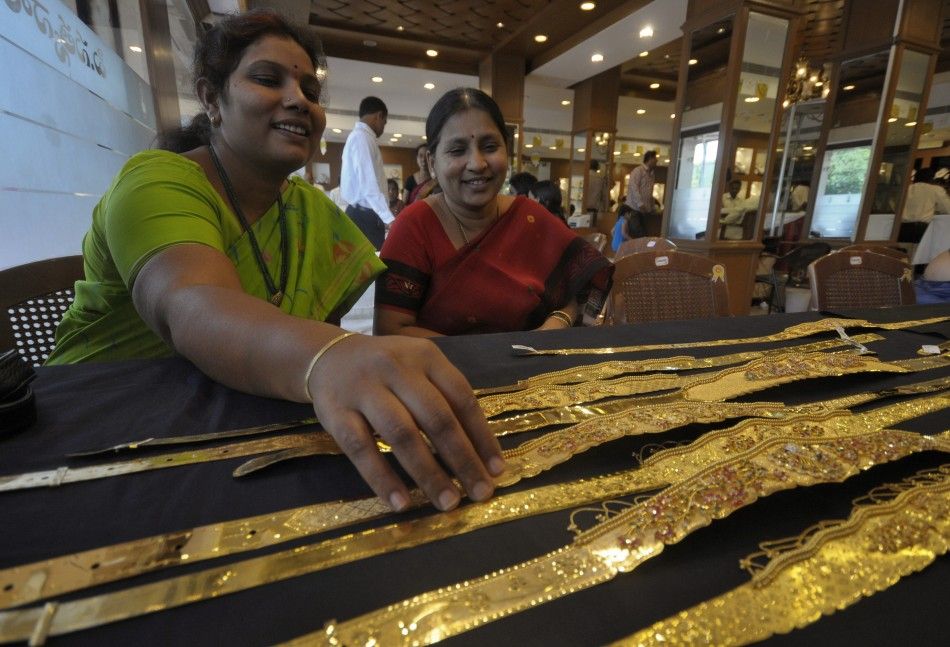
(28, 583)
(828, 568)
(792, 332)
(79, 614)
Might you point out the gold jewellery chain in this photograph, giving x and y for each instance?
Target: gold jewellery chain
(903, 529)
(657, 472)
(792, 332)
(614, 368)
(622, 542)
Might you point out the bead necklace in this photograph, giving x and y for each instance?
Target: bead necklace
(275, 294)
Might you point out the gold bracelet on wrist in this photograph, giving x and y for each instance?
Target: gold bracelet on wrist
(316, 358)
(563, 317)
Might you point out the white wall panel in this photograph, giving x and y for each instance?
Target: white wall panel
(53, 223)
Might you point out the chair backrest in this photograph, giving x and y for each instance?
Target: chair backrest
(644, 244)
(657, 286)
(860, 279)
(33, 298)
(598, 239)
(899, 254)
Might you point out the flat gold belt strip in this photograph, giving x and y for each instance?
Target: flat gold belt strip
(28, 583)
(829, 569)
(621, 543)
(792, 332)
(614, 368)
(214, 582)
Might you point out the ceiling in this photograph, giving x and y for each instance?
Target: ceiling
(388, 39)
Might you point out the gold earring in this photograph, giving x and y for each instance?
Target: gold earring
(214, 119)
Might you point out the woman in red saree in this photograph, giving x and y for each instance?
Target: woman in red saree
(469, 260)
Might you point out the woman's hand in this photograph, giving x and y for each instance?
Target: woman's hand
(408, 393)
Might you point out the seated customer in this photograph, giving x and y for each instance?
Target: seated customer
(548, 195)
(934, 285)
(470, 260)
(733, 210)
(521, 183)
(211, 253)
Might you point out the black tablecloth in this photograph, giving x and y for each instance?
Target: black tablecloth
(82, 407)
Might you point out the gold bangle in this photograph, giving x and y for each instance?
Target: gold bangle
(563, 317)
(316, 358)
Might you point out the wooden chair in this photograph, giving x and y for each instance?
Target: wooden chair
(644, 244)
(666, 285)
(860, 279)
(33, 298)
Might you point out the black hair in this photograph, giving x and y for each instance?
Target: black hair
(522, 182)
(372, 105)
(924, 175)
(391, 182)
(594, 165)
(649, 155)
(549, 195)
(218, 52)
(460, 100)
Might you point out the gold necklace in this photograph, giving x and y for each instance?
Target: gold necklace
(458, 221)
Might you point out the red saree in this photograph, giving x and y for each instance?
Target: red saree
(509, 278)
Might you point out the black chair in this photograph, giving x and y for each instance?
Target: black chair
(794, 265)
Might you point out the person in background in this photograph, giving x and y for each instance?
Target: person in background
(470, 260)
(208, 251)
(417, 179)
(734, 207)
(621, 231)
(549, 196)
(934, 285)
(395, 204)
(595, 200)
(798, 196)
(521, 183)
(362, 183)
(640, 194)
(924, 199)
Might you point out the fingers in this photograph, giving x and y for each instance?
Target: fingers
(353, 436)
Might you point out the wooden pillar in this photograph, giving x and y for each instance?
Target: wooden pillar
(501, 76)
(595, 115)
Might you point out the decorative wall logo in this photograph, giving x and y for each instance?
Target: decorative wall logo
(65, 43)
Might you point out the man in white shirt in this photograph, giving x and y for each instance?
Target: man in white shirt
(640, 194)
(733, 210)
(924, 199)
(362, 182)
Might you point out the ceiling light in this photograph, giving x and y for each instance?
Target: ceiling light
(721, 30)
(393, 139)
(641, 111)
(337, 130)
(807, 148)
(666, 161)
(636, 154)
(377, 79)
(432, 52)
(397, 135)
(596, 58)
(565, 102)
(400, 28)
(429, 86)
(500, 25)
(369, 43)
(540, 38)
(587, 6)
(581, 150)
(693, 61)
(135, 48)
(424, 138)
(654, 86)
(848, 87)
(616, 152)
(751, 99)
(672, 115)
(892, 120)
(553, 148)
(529, 145)
(644, 53)
(911, 123)
(646, 32)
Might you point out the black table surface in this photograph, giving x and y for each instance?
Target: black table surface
(87, 406)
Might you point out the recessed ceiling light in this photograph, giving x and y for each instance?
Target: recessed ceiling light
(644, 53)
(393, 139)
(397, 135)
(654, 86)
(565, 102)
(429, 86)
(135, 48)
(377, 79)
(672, 115)
(596, 58)
(892, 120)
(337, 130)
(370, 43)
(424, 138)
(581, 150)
(587, 6)
(721, 30)
(806, 148)
(553, 148)
(646, 32)
(500, 25)
(751, 99)
(666, 161)
(911, 123)
(641, 111)
(540, 38)
(400, 28)
(529, 145)
(693, 61)
(432, 52)
(848, 87)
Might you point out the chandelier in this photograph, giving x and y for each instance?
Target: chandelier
(806, 83)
